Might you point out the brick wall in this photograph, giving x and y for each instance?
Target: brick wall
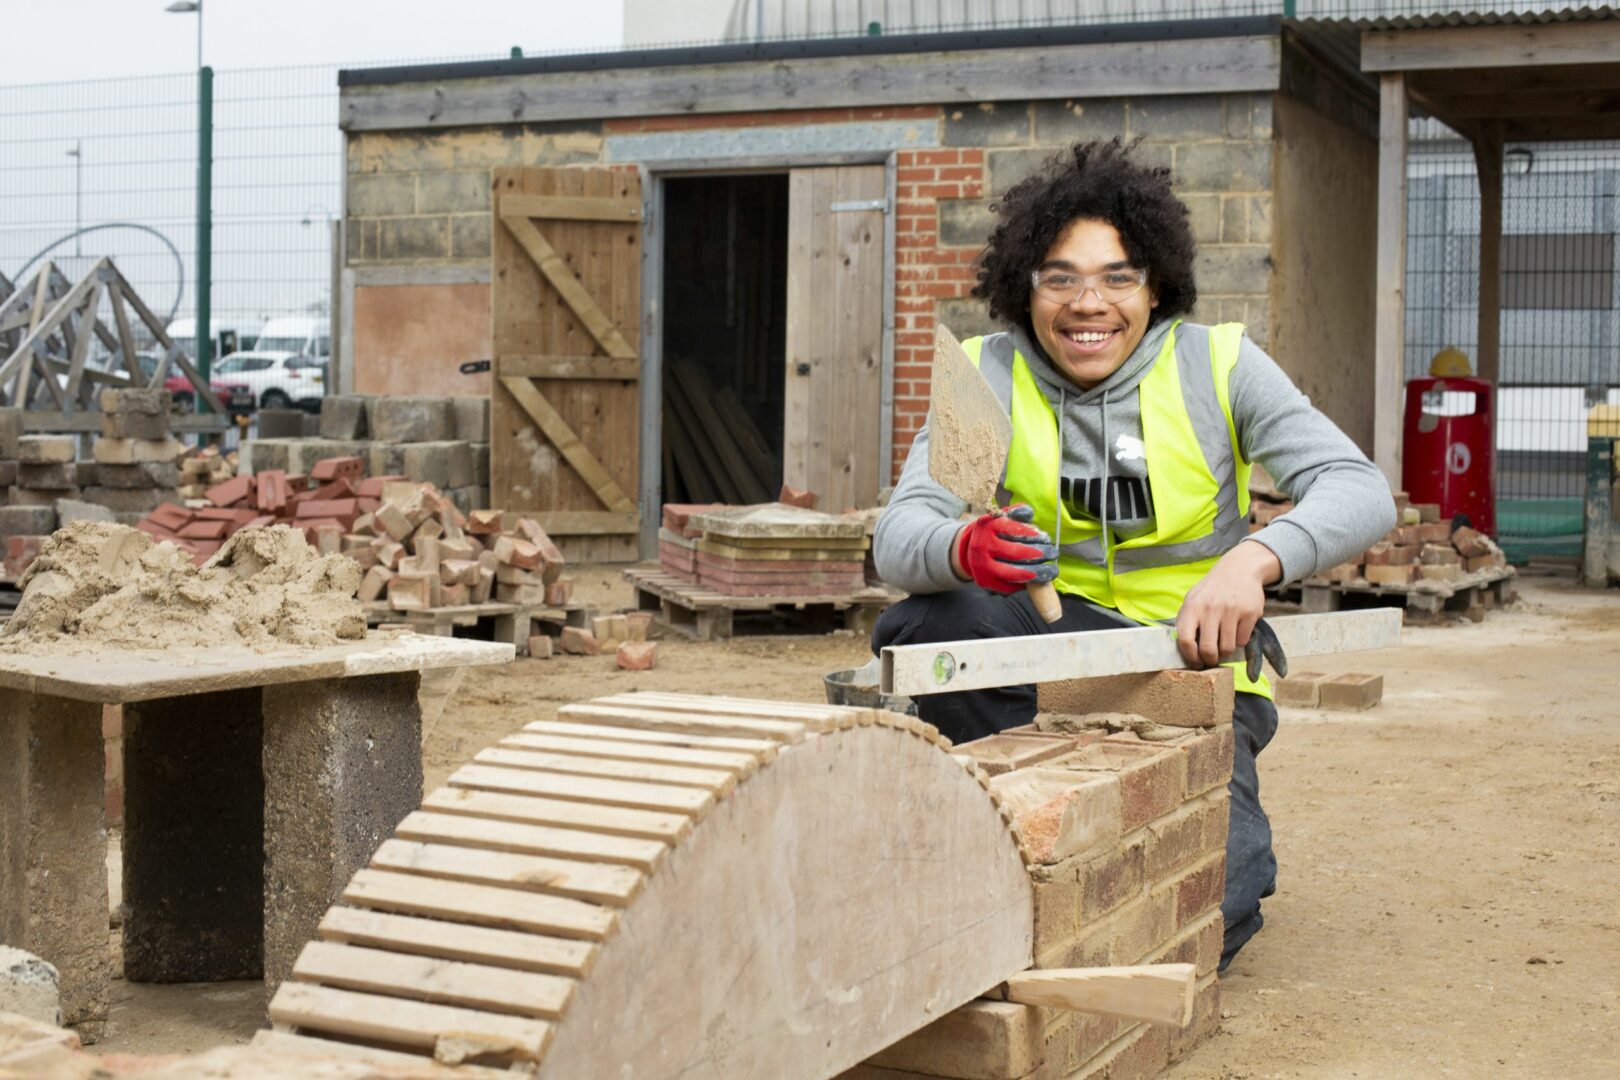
(423, 197)
(1126, 839)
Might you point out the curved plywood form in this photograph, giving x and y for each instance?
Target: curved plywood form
(660, 885)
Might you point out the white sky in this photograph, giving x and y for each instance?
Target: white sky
(48, 42)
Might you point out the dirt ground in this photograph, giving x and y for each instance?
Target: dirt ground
(1447, 904)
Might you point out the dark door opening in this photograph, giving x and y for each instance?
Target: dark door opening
(725, 324)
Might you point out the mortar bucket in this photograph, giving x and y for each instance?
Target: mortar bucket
(859, 687)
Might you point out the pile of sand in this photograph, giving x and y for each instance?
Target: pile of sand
(103, 585)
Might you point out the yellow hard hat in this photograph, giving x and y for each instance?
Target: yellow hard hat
(1450, 363)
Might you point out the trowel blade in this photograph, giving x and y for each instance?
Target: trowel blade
(968, 430)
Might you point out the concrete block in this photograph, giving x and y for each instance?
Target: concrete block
(8, 471)
(1176, 698)
(194, 838)
(445, 464)
(1223, 166)
(280, 423)
(1355, 692)
(152, 401)
(967, 317)
(27, 521)
(965, 222)
(71, 510)
(1059, 123)
(263, 455)
(468, 499)
(380, 195)
(1177, 118)
(11, 430)
(129, 500)
(1233, 269)
(20, 496)
(412, 419)
(46, 449)
(987, 123)
(29, 986)
(342, 768)
(471, 418)
(134, 425)
(53, 843)
(152, 475)
(480, 452)
(304, 455)
(453, 192)
(138, 451)
(58, 476)
(343, 416)
(385, 459)
(1008, 167)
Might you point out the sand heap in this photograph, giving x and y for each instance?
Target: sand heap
(100, 585)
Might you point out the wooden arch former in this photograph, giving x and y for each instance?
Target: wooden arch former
(566, 260)
(659, 885)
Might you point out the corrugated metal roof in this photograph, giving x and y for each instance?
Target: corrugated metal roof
(1515, 15)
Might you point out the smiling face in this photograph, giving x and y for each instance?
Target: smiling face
(1088, 338)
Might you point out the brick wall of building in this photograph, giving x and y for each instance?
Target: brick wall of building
(423, 197)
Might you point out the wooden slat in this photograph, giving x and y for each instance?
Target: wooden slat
(732, 458)
(284, 1044)
(574, 208)
(480, 905)
(763, 749)
(715, 780)
(570, 367)
(737, 764)
(609, 820)
(1474, 47)
(587, 789)
(1389, 316)
(510, 836)
(568, 287)
(442, 982)
(455, 941)
(204, 391)
(695, 723)
(587, 522)
(817, 717)
(568, 444)
(81, 347)
(408, 1023)
(126, 340)
(598, 883)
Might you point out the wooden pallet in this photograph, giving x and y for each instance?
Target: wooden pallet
(1469, 597)
(703, 614)
(485, 622)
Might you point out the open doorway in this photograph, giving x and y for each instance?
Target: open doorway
(725, 327)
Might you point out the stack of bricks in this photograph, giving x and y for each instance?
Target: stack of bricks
(772, 549)
(422, 552)
(1349, 692)
(324, 506)
(624, 634)
(205, 468)
(1422, 548)
(443, 441)
(1125, 831)
(136, 457)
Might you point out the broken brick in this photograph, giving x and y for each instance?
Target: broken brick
(795, 497)
(540, 646)
(578, 641)
(637, 655)
(230, 492)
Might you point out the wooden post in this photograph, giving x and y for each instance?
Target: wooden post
(1487, 142)
(1390, 312)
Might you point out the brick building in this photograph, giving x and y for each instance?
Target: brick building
(812, 209)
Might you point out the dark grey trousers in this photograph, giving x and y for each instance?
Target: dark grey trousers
(971, 612)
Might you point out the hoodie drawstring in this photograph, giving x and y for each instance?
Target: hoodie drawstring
(1103, 497)
(1057, 502)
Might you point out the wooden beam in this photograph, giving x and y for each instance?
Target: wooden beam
(1562, 128)
(1488, 161)
(570, 208)
(568, 287)
(1094, 70)
(126, 340)
(1157, 993)
(586, 522)
(81, 347)
(533, 402)
(1536, 104)
(1389, 323)
(570, 367)
(1441, 47)
(1506, 81)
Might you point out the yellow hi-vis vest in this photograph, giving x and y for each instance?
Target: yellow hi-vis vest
(1196, 472)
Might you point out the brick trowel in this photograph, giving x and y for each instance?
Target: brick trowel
(969, 434)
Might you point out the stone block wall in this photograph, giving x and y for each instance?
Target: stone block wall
(422, 198)
(1126, 830)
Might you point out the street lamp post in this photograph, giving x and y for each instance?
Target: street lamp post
(77, 154)
(205, 184)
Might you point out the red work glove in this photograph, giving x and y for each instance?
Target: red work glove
(1003, 552)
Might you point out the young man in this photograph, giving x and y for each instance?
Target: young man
(1133, 434)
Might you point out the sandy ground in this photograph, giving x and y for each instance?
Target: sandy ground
(1447, 903)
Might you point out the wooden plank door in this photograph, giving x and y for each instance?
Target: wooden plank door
(833, 402)
(566, 314)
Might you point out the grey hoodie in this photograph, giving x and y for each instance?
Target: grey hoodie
(1342, 502)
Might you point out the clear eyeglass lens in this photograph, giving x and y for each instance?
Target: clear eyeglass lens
(1113, 286)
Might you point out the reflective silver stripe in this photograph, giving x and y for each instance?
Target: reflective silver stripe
(1089, 550)
(996, 353)
(1196, 367)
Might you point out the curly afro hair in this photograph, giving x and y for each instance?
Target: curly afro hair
(1090, 180)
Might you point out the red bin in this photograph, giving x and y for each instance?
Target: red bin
(1446, 454)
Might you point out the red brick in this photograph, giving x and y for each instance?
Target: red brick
(1181, 838)
(170, 516)
(230, 492)
(1177, 698)
(1113, 878)
(1200, 888)
(349, 468)
(344, 510)
(1352, 691)
(1209, 759)
(579, 642)
(205, 530)
(372, 486)
(272, 490)
(637, 655)
(21, 551)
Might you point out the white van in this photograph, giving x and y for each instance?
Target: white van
(227, 337)
(300, 335)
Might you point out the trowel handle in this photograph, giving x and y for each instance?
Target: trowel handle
(1045, 599)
